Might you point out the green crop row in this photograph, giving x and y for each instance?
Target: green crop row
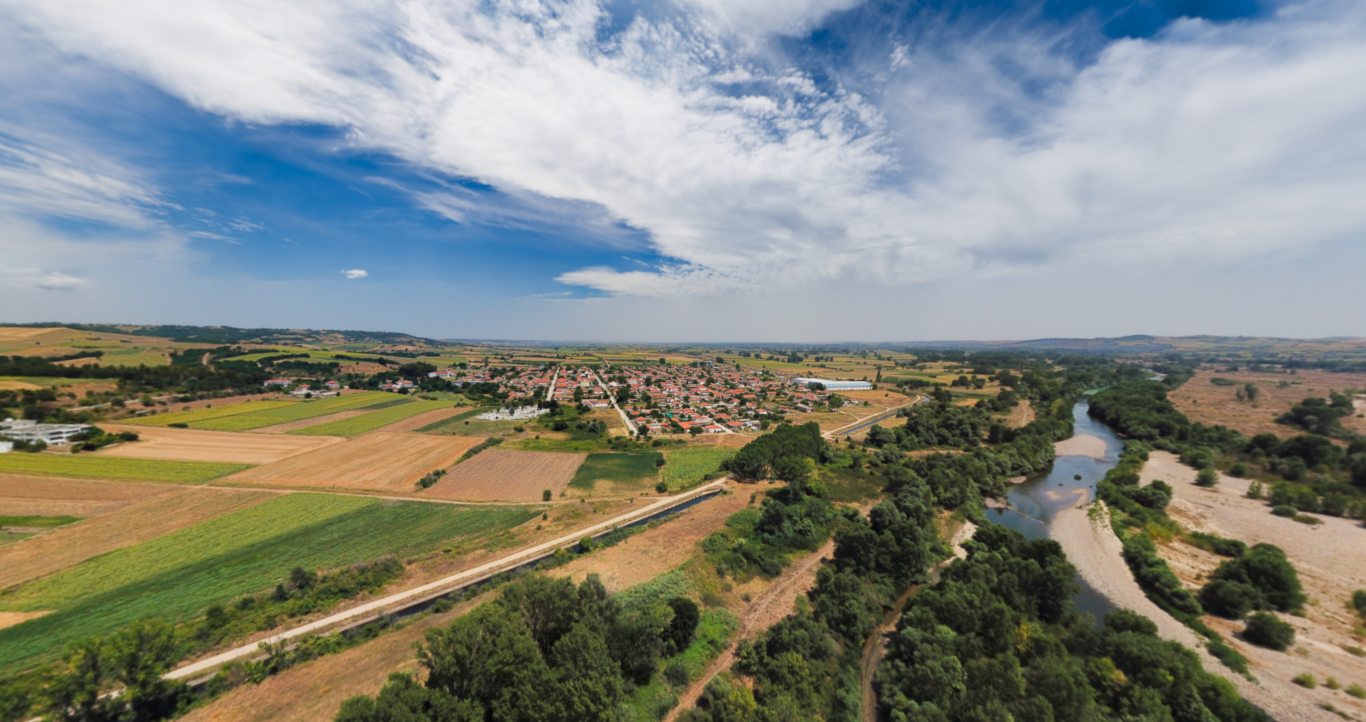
(248, 551)
(104, 467)
(198, 415)
(686, 467)
(372, 420)
(300, 410)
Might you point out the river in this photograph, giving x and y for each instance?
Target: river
(1036, 501)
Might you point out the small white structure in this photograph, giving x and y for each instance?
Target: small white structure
(6, 447)
(833, 385)
(522, 412)
(50, 434)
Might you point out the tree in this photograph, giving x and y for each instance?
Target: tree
(1265, 630)
(587, 679)
(684, 623)
(416, 370)
(1206, 478)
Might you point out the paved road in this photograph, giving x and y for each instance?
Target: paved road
(403, 599)
(876, 417)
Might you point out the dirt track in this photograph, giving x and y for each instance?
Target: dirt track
(765, 611)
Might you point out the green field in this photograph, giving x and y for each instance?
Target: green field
(43, 522)
(456, 424)
(52, 380)
(373, 420)
(249, 551)
(684, 468)
(300, 410)
(199, 415)
(103, 467)
(624, 469)
(148, 358)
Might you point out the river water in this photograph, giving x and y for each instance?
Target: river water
(1036, 501)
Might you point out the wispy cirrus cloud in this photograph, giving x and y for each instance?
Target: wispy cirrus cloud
(996, 152)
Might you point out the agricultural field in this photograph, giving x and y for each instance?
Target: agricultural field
(176, 575)
(135, 358)
(373, 420)
(173, 509)
(16, 528)
(48, 496)
(465, 424)
(300, 410)
(426, 418)
(107, 467)
(684, 468)
(208, 414)
(379, 461)
(617, 473)
(42, 382)
(198, 445)
(508, 475)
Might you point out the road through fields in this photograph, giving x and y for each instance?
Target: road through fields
(448, 584)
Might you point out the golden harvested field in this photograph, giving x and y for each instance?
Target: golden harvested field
(877, 396)
(196, 445)
(1209, 404)
(9, 619)
(46, 496)
(18, 386)
(508, 475)
(23, 334)
(378, 461)
(150, 518)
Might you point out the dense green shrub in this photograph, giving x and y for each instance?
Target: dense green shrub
(1265, 568)
(1265, 630)
(1229, 599)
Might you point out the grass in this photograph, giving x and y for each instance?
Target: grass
(135, 359)
(200, 415)
(102, 467)
(299, 411)
(617, 468)
(457, 420)
(175, 576)
(686, 467)
(372, 420)
(52, 380)
(43, 522)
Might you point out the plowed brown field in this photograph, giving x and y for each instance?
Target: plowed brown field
(150, 518)
(49, 496)
(379, 461)
(508, 475)
(157, 442)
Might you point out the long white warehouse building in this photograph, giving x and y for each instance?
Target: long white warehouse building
(833, 385)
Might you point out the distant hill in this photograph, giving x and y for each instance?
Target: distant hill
(222, 335)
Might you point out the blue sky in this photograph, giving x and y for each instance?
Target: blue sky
(706, 170)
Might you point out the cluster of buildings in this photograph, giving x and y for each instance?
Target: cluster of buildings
(12, 430)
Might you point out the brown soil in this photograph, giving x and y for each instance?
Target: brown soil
(1020, 415)
(647, 555)
(155, 442)
(378, 461)
(1081, 445)
(1329, 557)
(49, 496)
(9, 619)
(878, 397)
(413, 423)
(508, 475)
(305, 423)
(68, 546)
(1208, 404)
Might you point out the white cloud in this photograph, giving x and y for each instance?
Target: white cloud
(1207, 143)
(355, 273)
(57, 281)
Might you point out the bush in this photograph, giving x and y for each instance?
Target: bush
(546, 495)
(1266, 568)
(179, 425)
(1305, 680)
(1207, 478)
(1254, 490)
(1265, 630)
(1231, 600)
(1238, 470)
(1285, 510)
(1359, 601)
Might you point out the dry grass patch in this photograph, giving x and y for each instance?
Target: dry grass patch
(145, 520)
(45, 496)
(378, 461)
(198, 445)
(1210, 404)
(9, 619)
(508, 475)
(426, 418)
(18, 386)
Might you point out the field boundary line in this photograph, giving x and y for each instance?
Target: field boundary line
(450, 583)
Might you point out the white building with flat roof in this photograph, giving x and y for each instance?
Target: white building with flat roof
(50, 434)
(834, 385)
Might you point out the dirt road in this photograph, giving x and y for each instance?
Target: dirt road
(765, 611)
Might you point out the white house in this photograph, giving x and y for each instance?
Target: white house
(50, 434)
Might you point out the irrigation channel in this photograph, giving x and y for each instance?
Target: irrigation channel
(1037, 500)
(421, 598)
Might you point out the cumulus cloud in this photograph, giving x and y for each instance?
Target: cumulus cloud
(992, 155)
(355, 273)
